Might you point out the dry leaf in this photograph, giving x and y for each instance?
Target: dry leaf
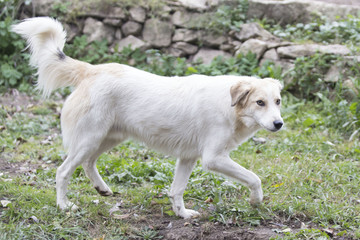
(115, 208)
(286, 230)
(328, 231)
(169, 226)
(303, 226)
(5, 203)
(186, 224)
(35, 219)
(123, 216)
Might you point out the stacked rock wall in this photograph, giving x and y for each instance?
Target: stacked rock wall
(175, 29)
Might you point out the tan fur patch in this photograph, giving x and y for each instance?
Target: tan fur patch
(78, 103)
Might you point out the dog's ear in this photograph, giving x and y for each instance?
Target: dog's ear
(240, 93)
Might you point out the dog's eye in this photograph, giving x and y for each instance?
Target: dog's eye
(260, 103)
(278, 101)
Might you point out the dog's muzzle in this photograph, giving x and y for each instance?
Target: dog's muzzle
(278, 124)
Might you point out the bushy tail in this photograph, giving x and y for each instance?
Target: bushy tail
(46, 39)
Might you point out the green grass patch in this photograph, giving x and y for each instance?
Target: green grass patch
(309, 173)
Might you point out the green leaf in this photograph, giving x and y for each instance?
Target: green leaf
(308, 122)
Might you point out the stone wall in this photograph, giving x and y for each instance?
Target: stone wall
(172, 31)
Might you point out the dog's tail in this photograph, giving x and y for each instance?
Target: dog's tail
(46, 39)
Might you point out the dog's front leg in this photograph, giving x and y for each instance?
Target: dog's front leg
(182, 173)
(223, 164)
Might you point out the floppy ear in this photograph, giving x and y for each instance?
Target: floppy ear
(239, 93)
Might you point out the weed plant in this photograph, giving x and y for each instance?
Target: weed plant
(341, 31)
(14, 72)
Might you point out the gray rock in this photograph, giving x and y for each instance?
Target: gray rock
(212, 39)
(175, 52)
(138, 14)
(332, 11)
(199, 5)
(157, 33)
(118, 34)
(131, 28)
(185, 35)
(253, 45)
(349, 84)
(283, 12)
(253, 30)
(112, 22)
(292, 11)
(353, 58)
(310, 49)
(132, 42)
(278, 43)
(187, 48)
(207, 55)
(271, 55)
(226, 47)
(185, 19)
(72, 31)
(98, 31)
(333, 74)
(41, 7)
(100, 10)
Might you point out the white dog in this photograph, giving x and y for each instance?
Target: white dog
(187, 117)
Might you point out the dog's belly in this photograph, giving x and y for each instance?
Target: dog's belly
(164, 140)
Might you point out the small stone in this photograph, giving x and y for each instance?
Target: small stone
(212, 39)
(98, 31)
(131, 28)
(271, 55)
(253, 30)
(253, 45)
(138, 14)
(157, 32)
(112, 21)
(132, 42)
(185, 35)
(187, 48)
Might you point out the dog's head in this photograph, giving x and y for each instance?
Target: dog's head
(257, 102)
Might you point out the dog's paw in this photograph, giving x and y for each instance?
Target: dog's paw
(104, 193)
(68, 206)
(188, 213)
(256, 199)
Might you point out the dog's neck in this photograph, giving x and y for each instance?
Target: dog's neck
(244, 126)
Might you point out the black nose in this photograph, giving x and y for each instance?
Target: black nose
(278, 124)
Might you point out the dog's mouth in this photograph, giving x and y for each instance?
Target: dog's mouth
(274, 128)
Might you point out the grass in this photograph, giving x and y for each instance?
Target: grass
(309, 173)
(309, 170)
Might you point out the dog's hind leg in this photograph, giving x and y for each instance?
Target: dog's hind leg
(91, 171)
(64, 172)
(183, 171)
(86, 145)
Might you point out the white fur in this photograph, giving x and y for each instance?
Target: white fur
(187, 117)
